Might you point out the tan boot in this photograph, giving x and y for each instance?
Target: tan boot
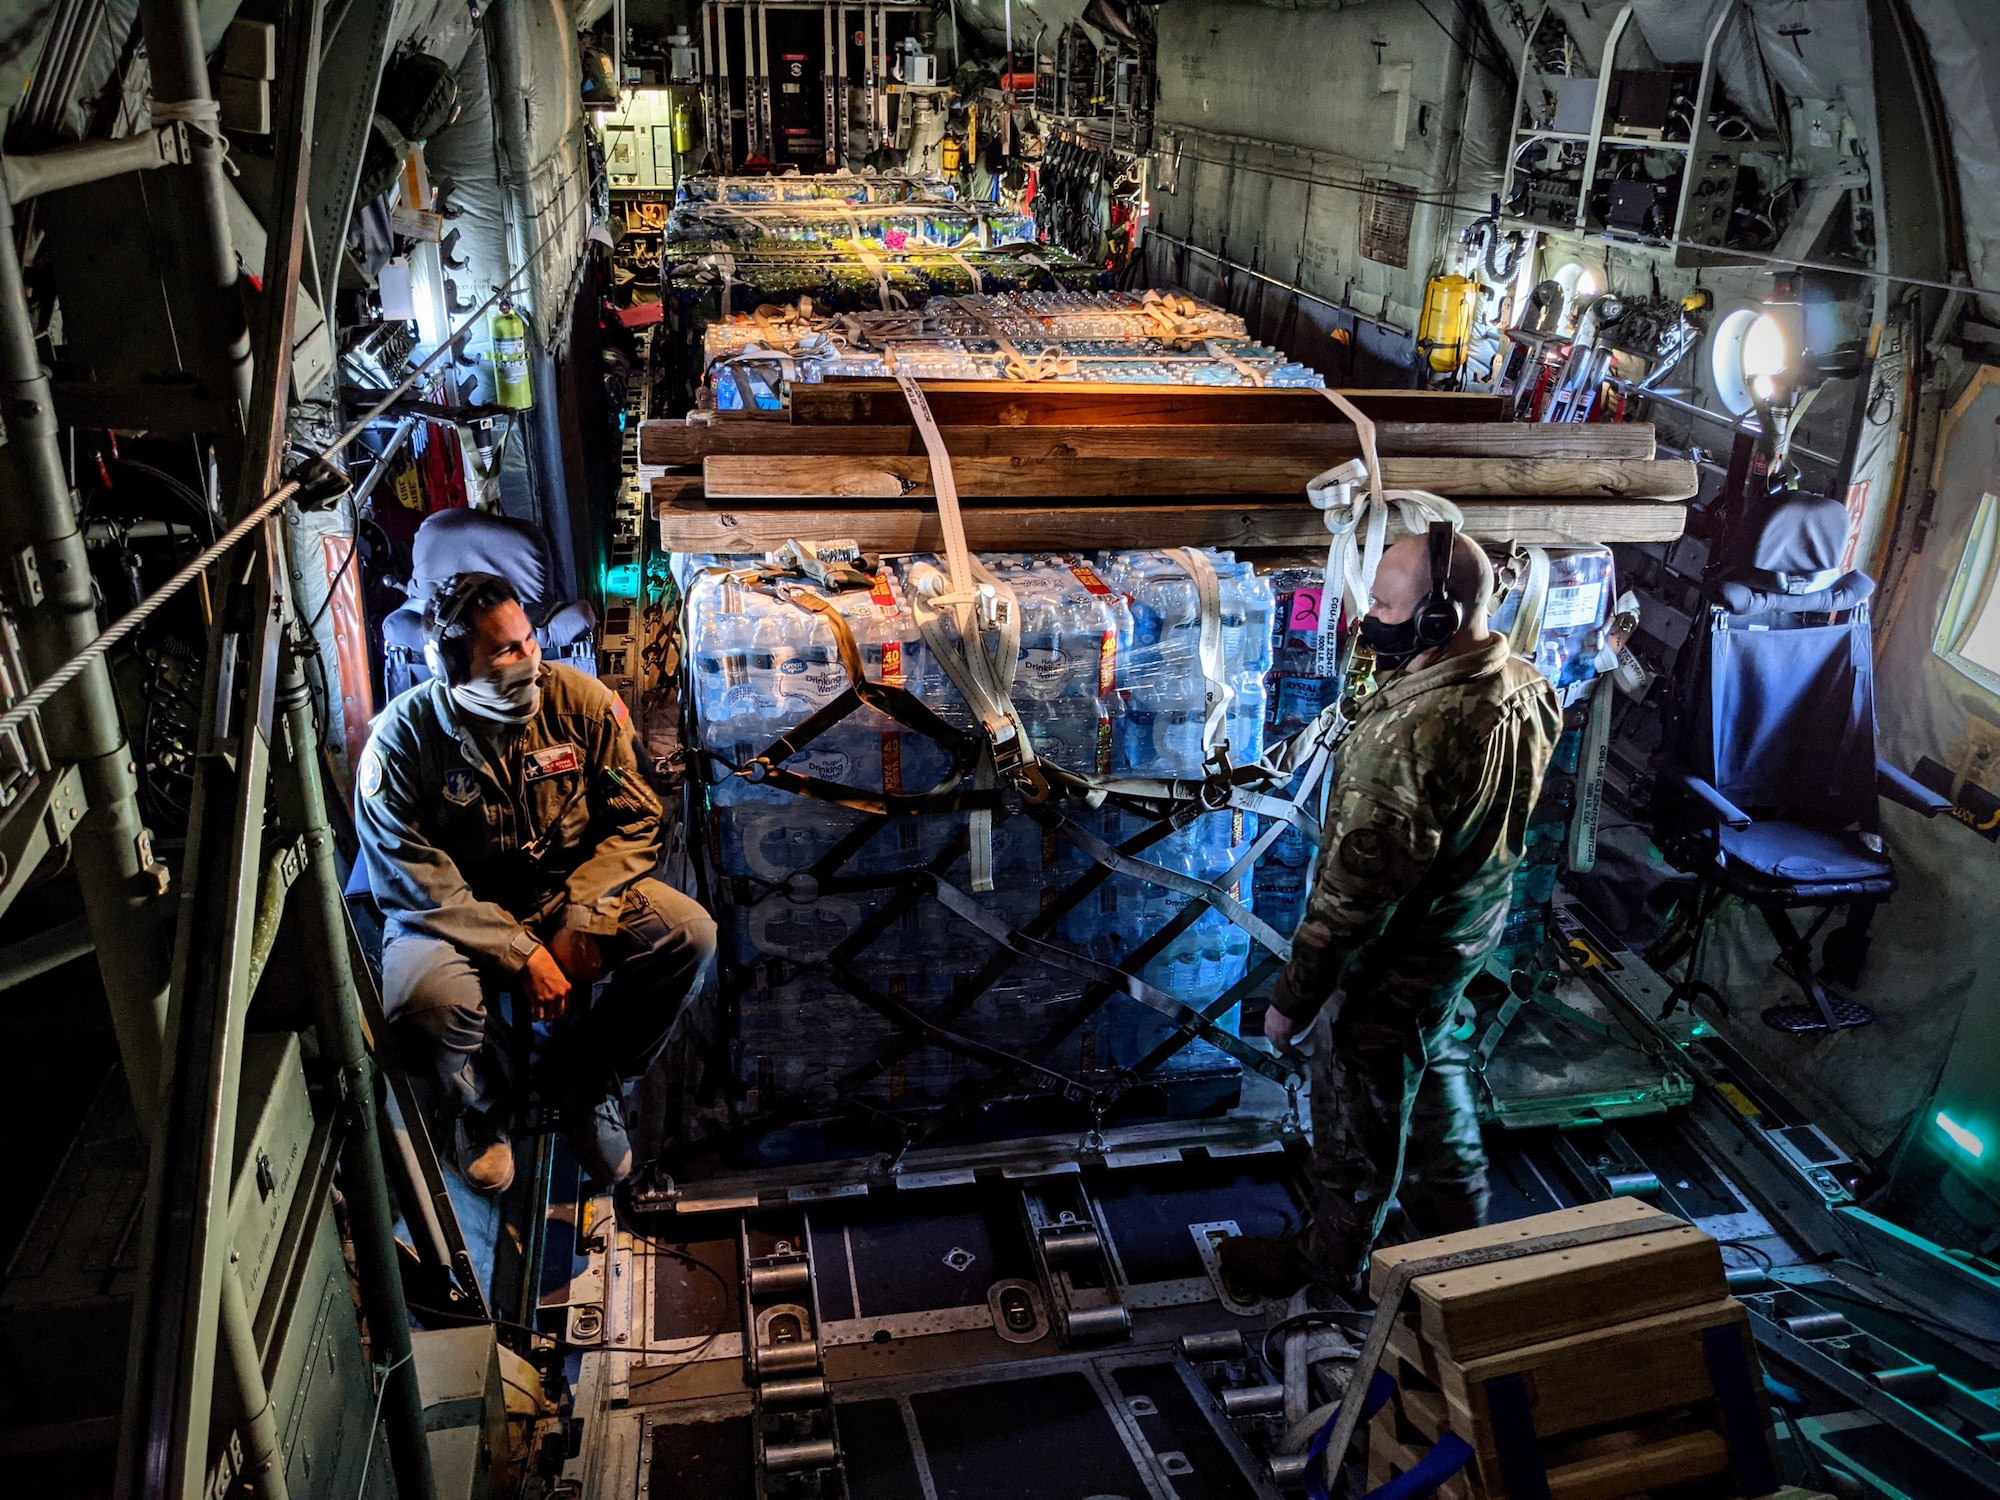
(485, 1155)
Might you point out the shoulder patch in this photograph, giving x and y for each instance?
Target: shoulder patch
(1363, 853)
(618, 709)
(368, 776)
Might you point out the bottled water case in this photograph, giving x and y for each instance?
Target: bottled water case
(854, 993)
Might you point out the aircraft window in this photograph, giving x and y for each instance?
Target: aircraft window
(1746, 346)
(1968, 634)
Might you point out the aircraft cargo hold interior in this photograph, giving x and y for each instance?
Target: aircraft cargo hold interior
(1000, 749)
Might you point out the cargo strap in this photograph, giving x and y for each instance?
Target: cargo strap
(1208, 656)
(1354, 562)
(1388, 1308)
(1447, 1456)
(1518, 1000)
(1526, 634)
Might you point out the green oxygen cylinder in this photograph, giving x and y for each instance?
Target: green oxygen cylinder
(511, 385)
(683, 128)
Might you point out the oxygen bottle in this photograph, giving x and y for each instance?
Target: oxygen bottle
(511, 386)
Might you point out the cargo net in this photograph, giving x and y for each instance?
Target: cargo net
(990, 863)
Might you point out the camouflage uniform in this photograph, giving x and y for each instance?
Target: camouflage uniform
(1426, 826)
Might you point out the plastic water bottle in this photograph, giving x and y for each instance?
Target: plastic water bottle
(772, 650)
(1180, 715)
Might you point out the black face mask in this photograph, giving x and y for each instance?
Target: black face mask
(1393, 645)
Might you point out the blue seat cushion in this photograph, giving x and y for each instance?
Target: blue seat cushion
(1799, 862)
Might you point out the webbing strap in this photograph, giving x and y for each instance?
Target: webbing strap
(952, 1041)
(1390, 1305)
(1446, 1457)
(1208, 654)
(1526, 634)
(1352, 563)
(1732, 1374)
(1173, 880)
(1380, 1389)
(1069, 962)
(1252, 981)
(983, 672)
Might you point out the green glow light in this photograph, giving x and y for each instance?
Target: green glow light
(1962, 1138)
(1702, 1028)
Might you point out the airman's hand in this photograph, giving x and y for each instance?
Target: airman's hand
(546, 985)
(1279, 1028)
(578, 954)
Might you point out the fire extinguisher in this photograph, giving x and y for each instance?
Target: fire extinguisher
(511, 385)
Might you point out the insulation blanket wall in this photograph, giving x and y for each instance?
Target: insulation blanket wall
(1107, 680)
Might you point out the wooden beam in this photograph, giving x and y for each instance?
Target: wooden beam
(690, 525)
(1016, 403)
(678, 442)
(890, 477)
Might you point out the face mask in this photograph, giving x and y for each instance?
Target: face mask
(508, 694)
(1393, 645)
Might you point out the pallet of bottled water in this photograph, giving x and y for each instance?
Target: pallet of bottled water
(1107, 681)
(825, 187)
(1082, 321)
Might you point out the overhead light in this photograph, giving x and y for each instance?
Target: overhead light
(1960, 1137)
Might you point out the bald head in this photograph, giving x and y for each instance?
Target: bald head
(1405, 578)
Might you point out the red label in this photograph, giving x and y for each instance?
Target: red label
(892, 663)
(1107, 663)
(1087, 576)
(1104, 747)
(892, 762)
(881, 594)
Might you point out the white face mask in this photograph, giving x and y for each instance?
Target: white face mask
(509, 694)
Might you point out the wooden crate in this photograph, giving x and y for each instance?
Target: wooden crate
(1484, 1309)
(1645, 1383)
(1610, 1352)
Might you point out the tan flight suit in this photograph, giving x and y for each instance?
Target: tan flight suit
(482, 841)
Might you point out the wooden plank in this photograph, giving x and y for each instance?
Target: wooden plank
(1483, 1309)
(1656, 1466)
(891, 477)
(1010, 403)
(1614, 1475)
(688, 525)
(678, 442)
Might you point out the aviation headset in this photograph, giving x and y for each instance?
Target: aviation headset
(446, 651)
(1438, 616)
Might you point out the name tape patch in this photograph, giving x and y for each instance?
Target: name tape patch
(557, 760)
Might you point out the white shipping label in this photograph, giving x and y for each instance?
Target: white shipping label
(1573, 605)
